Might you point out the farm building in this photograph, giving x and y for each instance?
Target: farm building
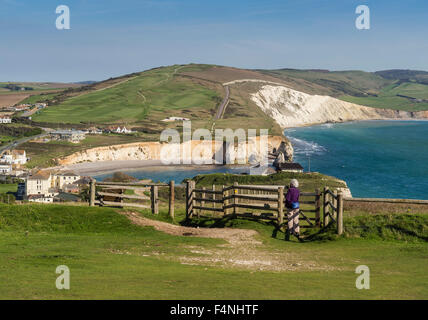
(289, 167)
(73, 136)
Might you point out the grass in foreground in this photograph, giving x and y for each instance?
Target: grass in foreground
(110, 258)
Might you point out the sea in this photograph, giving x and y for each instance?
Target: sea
(377, 159)
(175, 173)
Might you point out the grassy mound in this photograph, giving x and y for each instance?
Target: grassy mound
(308, 181)
(63, 219)
(405, 227)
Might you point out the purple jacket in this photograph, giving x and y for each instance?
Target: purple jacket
(293, 195)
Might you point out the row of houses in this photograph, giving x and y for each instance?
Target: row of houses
(44, 186)
(75, 136)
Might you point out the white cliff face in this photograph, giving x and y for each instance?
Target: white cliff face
(190, 152)
(291, 108)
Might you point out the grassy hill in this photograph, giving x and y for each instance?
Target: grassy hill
(194, 91)
(146, 98)
(111, 258)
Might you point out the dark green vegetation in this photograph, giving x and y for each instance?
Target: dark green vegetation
(12, 132)
(109, 258)
(120, 177)
(390, 89)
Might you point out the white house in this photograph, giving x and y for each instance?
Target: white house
(5, 169)
(14, 157)
(40, 198)
(39, 183)
(5, 119)
(119, 130)
(171, 119)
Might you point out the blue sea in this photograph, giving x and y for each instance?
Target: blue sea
(377, 159)
(175, 173)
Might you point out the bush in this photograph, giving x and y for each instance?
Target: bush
(7, 198)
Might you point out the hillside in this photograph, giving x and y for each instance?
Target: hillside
(196, 91)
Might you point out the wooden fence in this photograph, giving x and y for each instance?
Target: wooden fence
(263, 202)
(142, 195)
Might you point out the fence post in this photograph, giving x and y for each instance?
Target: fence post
(340, 213)
(203, 201)
(280, 206)
(171, 198)
(325, 207)
(92, 193)
(214, 196)
(335, 204)
(187, 198)
(193, 195)
(235, 200)
(318, 208)
(224, 195)
(155, 202)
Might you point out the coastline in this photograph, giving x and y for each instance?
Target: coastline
(106, 167)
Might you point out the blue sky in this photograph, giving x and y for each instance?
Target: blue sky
(110, 37)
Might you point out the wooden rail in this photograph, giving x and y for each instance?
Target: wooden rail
(112, 194)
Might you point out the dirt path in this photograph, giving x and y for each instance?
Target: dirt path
(243, 250)
(233, 236)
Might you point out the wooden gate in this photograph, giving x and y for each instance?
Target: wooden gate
(142, 195)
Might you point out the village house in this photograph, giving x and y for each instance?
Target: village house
(5, 119)
(119, 130)
(14, 157)
(5, 169)
(39, 183)
(171, 119)
(73, 136)
(94, 130)
(289, 167)
(43, 186)
(60, 180)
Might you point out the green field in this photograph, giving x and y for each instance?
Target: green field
(387, 97)
(154, 94)
(44, 97)
(110, 258)
(5, 188)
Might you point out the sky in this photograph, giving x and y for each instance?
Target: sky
(109, 38)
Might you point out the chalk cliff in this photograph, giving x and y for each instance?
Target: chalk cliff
(291, 108)
(192, 150)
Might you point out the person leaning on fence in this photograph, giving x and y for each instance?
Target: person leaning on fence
(293, 208)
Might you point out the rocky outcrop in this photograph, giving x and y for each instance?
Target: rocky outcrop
(291, 108)
(188, 152)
